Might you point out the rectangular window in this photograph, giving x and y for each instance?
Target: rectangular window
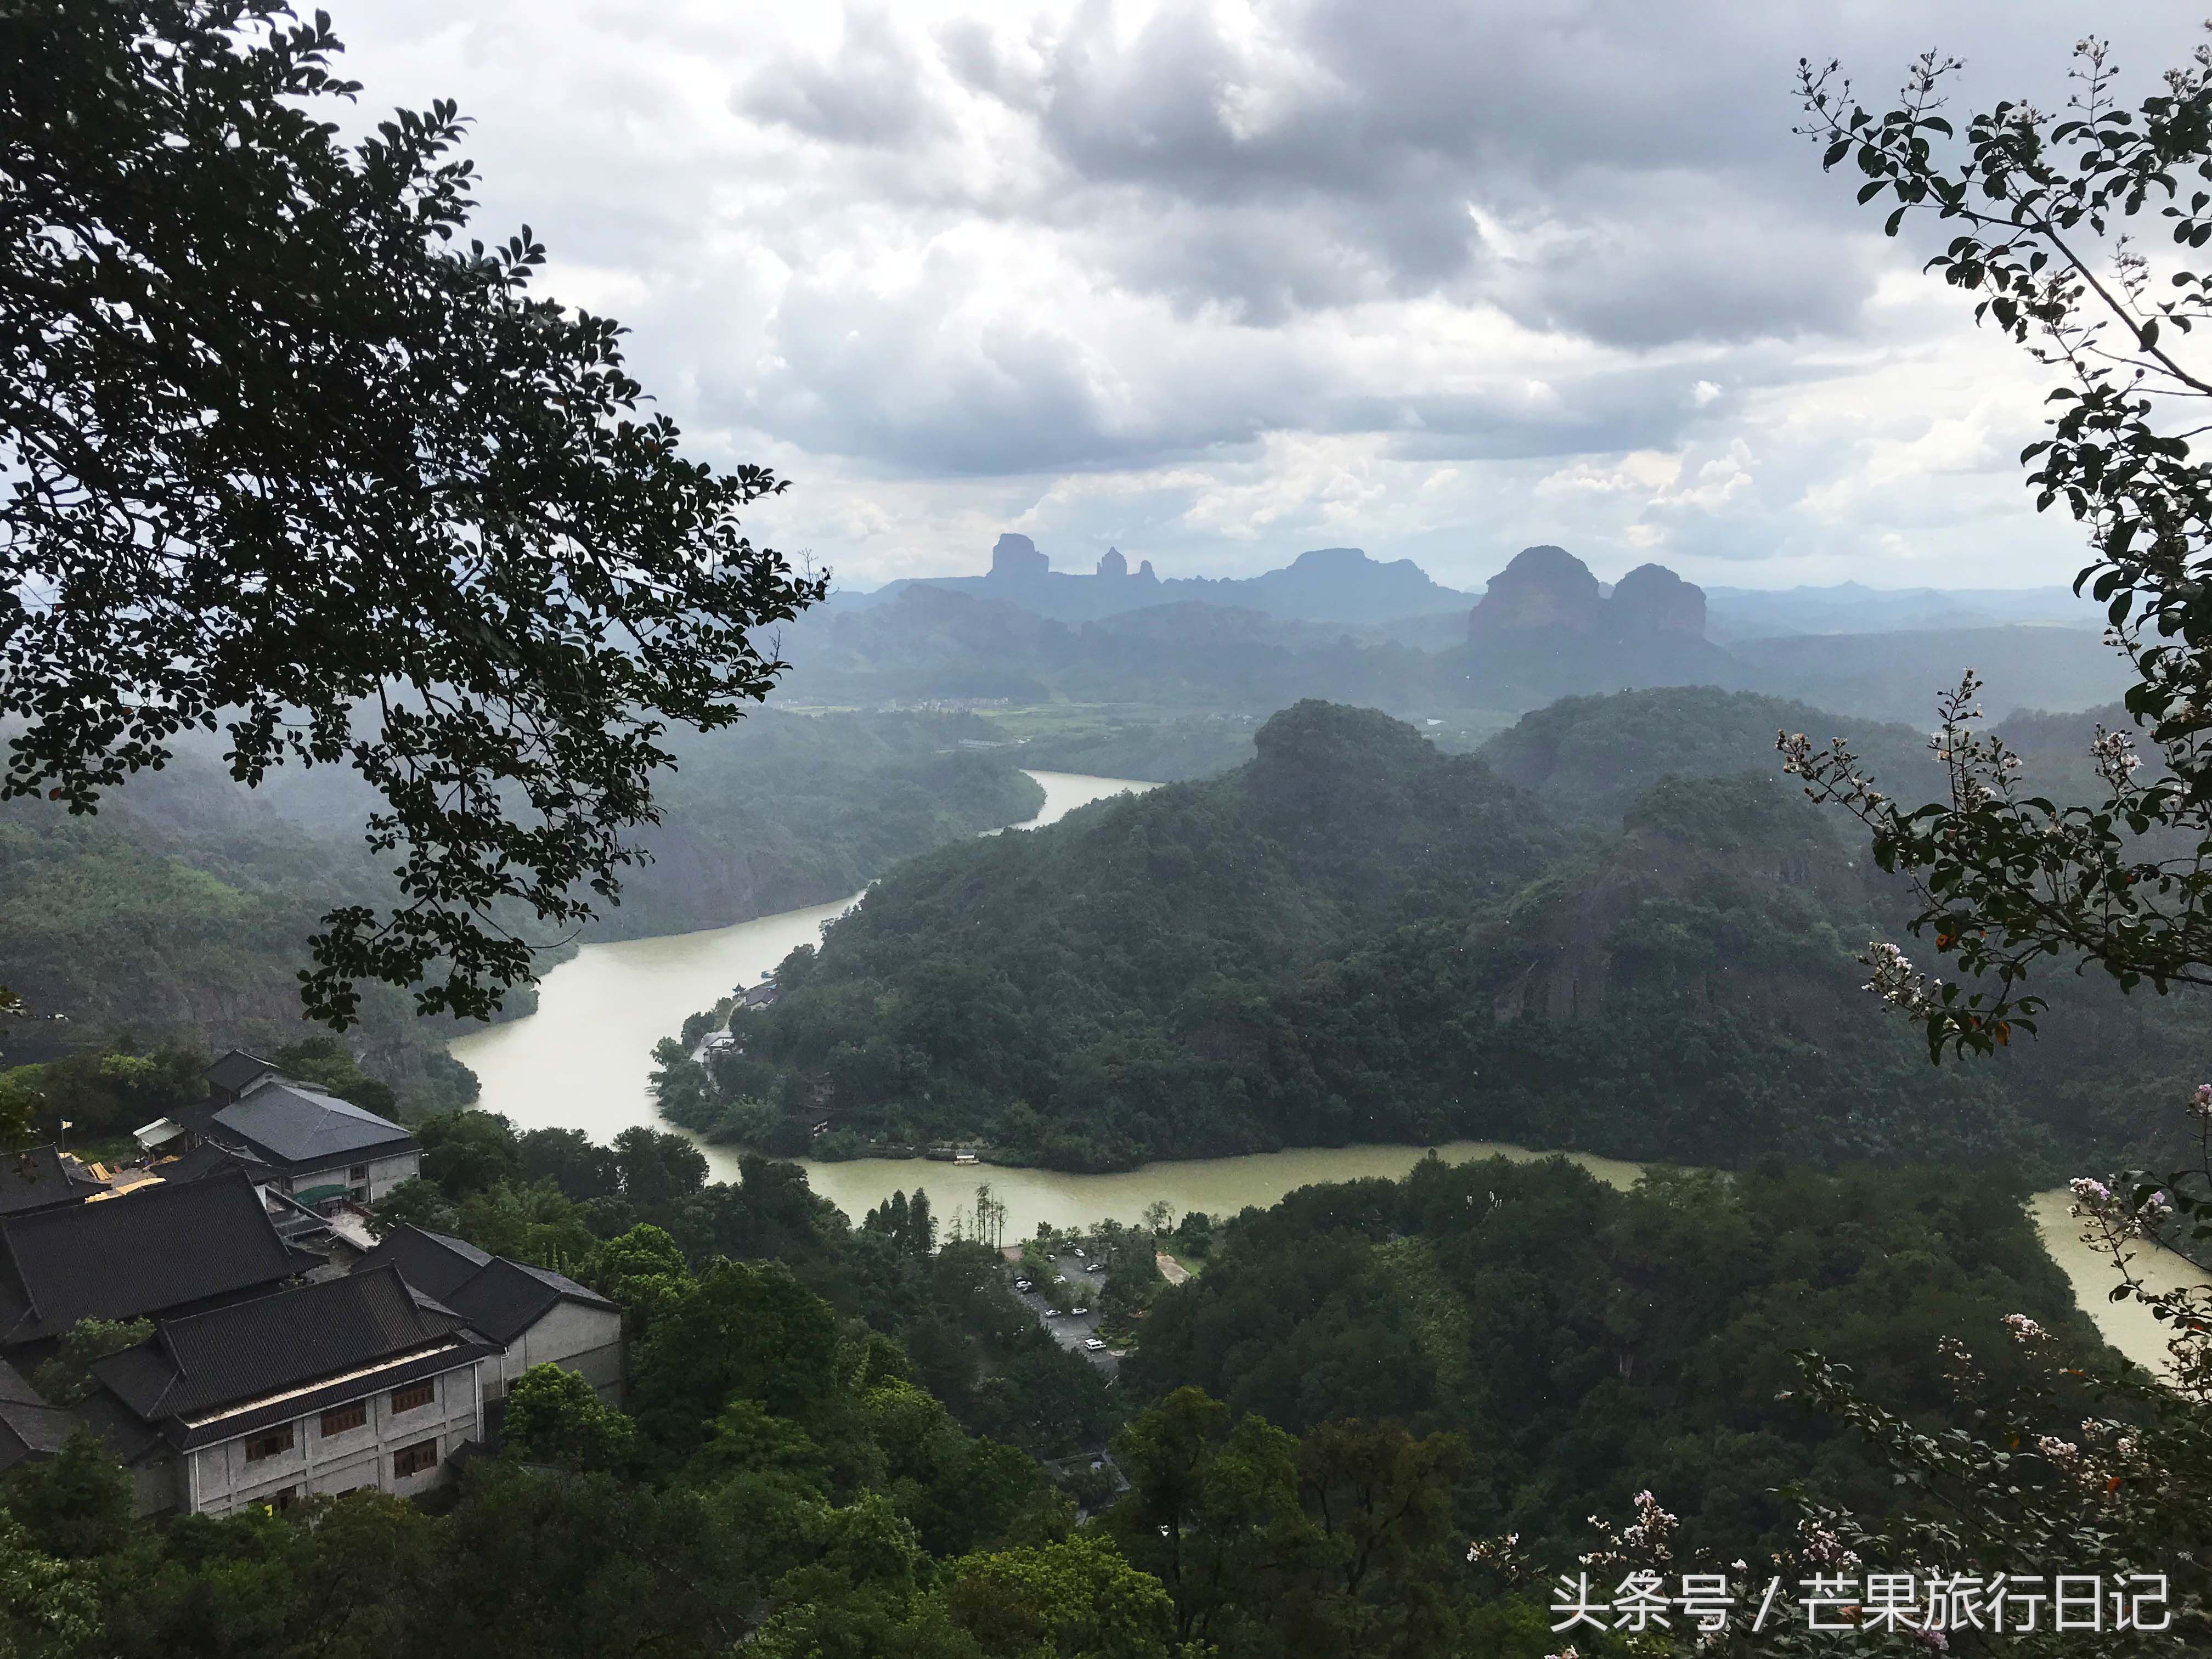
(339, 1419)
(414, 1398)
(418, 1459)
(270, 1444)
(358, 1174)
(283, 1498)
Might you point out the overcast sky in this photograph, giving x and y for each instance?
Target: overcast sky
(1219, 282)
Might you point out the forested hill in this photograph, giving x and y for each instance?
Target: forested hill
(1588, 758)
(179, 913)
(1096, 992)
(1590, 1343)
(786, 810)
(1357, 938)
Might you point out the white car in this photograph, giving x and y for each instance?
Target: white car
(1023, 1285)
(1093, 1344)
(1060, 1279)
(1053, 1313)
(1079, 1312)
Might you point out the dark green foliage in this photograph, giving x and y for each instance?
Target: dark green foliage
(1356, 938)
(578, 1165)
(65, 1376)
(746, 1332)
(1082, 994)
(553, 1417)
(1588, 758)
(907, 1224)
(325, 1060)
(1156, 750)
(461, 531)
(77, 1504)
(1337, 1544)
(109, 1091)
(465, 1152)
(788, 810)
(656, 1168)
(1589, 1343)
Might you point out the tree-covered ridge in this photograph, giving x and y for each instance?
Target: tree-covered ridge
(179, 914)
(1589, 1343)
(1167, 750)
(1356, 937)
(787, 810)
(1078, 991)
(554, 1198)
(1588, 758)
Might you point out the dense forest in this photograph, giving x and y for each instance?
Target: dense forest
(1156, 750)
(1617, 929)
(177, 915)
(836, 1439)
(1588, 1343)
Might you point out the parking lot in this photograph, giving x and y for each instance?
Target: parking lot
(1072, 1330)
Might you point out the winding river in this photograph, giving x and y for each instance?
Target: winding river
(582, 1062)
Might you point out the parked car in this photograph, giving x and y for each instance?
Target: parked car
(1023, 1285)
(1079, 1312)
(1093, 1344)
(1053, 1313)
(1060, 1279)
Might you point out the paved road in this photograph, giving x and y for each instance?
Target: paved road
(1081, 1291)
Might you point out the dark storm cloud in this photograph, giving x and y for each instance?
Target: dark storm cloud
(868, 92)
(1644, 151)
(1249, 275)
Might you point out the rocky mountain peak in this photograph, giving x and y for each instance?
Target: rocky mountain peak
(1544, 587)
(1111, 563)
(1547, 589)
(1018, 555)
(1652, 598)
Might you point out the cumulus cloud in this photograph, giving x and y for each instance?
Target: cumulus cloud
(1216, 280)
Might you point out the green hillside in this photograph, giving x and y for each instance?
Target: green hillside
(179, 912)
(1588, 758)
(1086, 992)
(1357, 938)
(1590, 1343)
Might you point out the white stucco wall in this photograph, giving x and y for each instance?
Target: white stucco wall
(220, 1480)
(586, 1340)
(384, 1174)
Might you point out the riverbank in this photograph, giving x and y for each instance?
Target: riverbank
(1223, 1186)
(582, 1062)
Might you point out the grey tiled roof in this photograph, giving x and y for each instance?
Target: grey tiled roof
(29, 1427)
(212, 1158)
(500, 1298)
(35, 1178)
(298, 1128)
(301, 1343)
(163, 1247)
(235, 1069)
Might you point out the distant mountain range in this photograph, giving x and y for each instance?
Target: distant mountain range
(1343, 586)
(1746, 613)
(1336, 623)
(1329, 584)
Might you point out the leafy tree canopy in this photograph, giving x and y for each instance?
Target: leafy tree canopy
(291, 458)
